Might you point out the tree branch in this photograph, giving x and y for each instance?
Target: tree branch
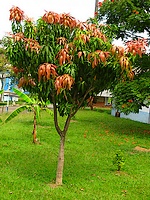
(55, 116)
(79, 105)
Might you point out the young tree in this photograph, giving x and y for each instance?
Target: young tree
(66, 61)
(33, 105)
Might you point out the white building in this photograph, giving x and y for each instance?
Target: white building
(142, 116)
(6, 85)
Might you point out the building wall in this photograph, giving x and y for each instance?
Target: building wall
(8, 94)
(104, 97)
(142, 116)
(10, 97)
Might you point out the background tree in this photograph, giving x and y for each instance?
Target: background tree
(128, 18)
(66, 61)
(131, 96)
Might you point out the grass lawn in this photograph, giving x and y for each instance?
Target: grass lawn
(93, 138)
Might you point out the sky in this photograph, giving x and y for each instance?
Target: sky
(80, 9)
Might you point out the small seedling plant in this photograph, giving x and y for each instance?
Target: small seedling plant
(119, 160)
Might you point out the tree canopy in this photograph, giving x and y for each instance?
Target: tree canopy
(58, 47)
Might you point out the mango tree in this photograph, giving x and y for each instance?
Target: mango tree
(65, 61)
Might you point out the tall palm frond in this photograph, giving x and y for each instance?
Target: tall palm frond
(25, 97)
(50, 112)
(16, 112)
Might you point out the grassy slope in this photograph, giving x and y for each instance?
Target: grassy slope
(92, 140)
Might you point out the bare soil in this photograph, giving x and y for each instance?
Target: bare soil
(138, 148)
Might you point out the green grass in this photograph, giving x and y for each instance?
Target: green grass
(92, 140)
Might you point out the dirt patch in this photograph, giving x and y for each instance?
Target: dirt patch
(120, 173)
(73, 120)
(53, 185)
(138, 148)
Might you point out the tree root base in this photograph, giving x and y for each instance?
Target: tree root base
(54, 185)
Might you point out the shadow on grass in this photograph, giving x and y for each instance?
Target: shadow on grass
(97, 109)
(102, 118)
(40, 122)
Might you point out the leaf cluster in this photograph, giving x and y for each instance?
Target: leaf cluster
(130, 16)
(3, 60)
(119, 160)
(131, 96)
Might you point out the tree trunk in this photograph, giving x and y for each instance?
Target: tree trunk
(96, 6)
(60, 165)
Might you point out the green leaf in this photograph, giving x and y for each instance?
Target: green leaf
(16, 112)
(50, 112)
(47, 102)
(23, 96)
(1, 91)
(37, 110)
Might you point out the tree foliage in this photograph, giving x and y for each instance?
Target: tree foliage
(130, 16)
(131, 96)
(3, 60)
(1, 91)
(65, 61)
